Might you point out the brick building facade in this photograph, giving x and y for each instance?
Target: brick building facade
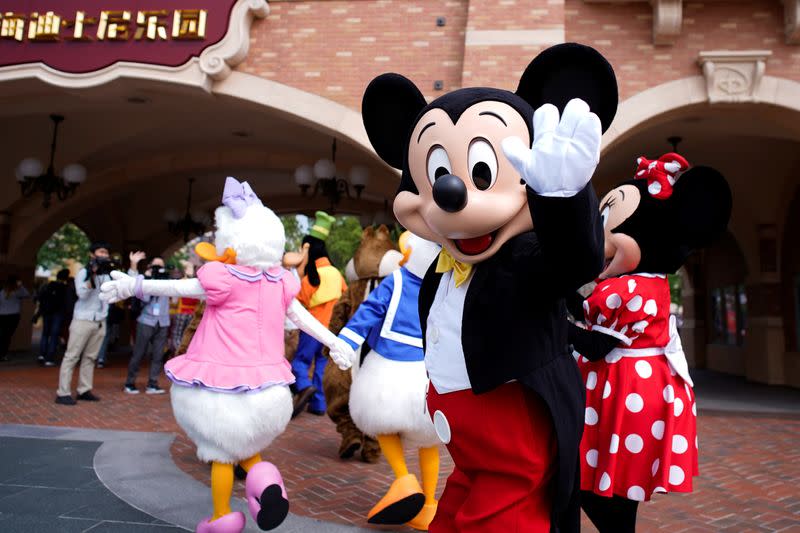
(723, 76)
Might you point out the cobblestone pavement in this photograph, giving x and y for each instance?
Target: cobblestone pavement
(49, 485)
(749, 463)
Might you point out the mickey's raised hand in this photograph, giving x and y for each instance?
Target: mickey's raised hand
(565, 150)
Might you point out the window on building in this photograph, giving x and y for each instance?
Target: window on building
(729, 315)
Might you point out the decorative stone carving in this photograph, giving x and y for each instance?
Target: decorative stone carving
(733, 76)
(667, 20)
(217, 60)
(667, 17)
(791, 21)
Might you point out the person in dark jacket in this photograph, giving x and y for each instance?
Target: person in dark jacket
(54, 303)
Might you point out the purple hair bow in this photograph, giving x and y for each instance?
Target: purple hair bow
(238, 196)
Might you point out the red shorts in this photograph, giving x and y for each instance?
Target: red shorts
(504, 448)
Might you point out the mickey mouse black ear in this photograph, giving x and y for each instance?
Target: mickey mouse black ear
(568, 71)
(391, 103)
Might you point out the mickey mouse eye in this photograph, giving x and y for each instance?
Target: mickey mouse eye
(482, 164)
(438, 163)
(604, 214)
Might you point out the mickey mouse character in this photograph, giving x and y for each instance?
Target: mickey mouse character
(640, 434)
(519, 233)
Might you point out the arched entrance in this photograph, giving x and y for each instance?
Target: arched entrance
(790, 287)
(141, 140)
(755, 145)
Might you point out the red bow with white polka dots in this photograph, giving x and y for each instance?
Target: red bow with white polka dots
(661, 174)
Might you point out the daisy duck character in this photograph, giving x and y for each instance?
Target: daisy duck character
(387, 398)
(230, 391)
(502, 181)
(640, 432)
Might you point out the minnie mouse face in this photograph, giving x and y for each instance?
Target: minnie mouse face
(622, 252)
(458, 189)
(654, 222)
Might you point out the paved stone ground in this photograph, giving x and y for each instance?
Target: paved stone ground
(49, 485)
(749, 463)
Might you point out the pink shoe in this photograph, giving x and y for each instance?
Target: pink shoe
(266, 495)
(229, 523)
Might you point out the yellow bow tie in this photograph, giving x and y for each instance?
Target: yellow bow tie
(447, 262)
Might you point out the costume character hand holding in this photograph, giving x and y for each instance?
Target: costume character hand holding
(500, 180)
(230, 390)
(640, 435)
(387, 398)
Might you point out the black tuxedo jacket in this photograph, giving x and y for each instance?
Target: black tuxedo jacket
(514, 324)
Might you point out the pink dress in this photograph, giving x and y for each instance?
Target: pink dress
(238, 346)
(640, 432)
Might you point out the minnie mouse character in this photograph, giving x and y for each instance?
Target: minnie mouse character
(640, 423)
(519, 232)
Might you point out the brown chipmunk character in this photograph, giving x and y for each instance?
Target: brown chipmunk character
(376, 257)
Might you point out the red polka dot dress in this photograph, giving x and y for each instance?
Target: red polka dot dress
(640, 432)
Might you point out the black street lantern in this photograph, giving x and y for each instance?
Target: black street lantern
(191, 223)
(32, 180)
(325, 182)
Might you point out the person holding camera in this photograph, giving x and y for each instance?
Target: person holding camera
(88, 327)
(152, 326)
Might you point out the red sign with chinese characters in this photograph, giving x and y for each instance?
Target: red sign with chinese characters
(79, 36)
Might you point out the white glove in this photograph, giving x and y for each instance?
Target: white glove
(342, 354)
(564, 153)
(121, 288)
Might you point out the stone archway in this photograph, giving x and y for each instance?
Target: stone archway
(678, 95)
(754, 144)
(293, 127)
(142, 130)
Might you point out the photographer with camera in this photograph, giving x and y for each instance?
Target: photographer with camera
(88, 327)
(152, 326)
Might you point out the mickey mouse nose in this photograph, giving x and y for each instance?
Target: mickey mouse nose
(450, 193)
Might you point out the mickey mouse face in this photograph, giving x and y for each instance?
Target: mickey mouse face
(653, 225)
(458, 188)
(469, 196)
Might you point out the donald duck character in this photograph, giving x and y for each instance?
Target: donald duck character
(387, 398)
(230, 390)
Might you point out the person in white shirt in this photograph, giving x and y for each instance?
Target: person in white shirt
(87, 329)
(11, 296)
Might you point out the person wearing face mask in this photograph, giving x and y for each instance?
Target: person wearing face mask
(152, 327)
(88, 327)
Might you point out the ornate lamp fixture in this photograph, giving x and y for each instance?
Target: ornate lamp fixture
(191, 223)
(31, 180)
(323, 177)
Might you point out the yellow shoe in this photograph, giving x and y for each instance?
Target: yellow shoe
(425, 517)
(402, 502)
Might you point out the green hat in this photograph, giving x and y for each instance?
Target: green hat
(321, 228)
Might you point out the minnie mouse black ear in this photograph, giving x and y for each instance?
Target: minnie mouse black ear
(568, 71)
(701, 203)
(389, 107)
